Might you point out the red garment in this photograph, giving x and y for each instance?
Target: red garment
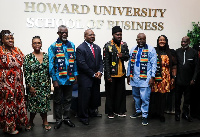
(12, 106)
(92, 50)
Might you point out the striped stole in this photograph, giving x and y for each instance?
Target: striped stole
(143, 62)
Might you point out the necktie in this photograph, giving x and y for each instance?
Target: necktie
(92, 50)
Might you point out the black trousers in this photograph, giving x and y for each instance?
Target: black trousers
(182, 90)
(157, 104)
(62, 101)
(89, 99)
(195, 101)
(115, 96)
(170, 101)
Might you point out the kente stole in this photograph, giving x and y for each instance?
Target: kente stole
(158, 76)
(143, 62)
(60, 56)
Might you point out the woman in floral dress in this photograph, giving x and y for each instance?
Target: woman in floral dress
(164, 79)
(13, 113)
(36, 72)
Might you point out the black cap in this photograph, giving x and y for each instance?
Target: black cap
(116, 29)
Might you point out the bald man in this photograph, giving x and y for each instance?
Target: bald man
(141, 74)
(187, 69)
(90, 68)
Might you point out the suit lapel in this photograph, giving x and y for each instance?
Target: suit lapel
(89, 52)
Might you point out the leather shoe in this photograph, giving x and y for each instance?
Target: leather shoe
(57, 124)
(85, 122)
(186, 117)
(69, 123)
(177, 117)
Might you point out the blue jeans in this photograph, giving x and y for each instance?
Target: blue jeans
(141, 95)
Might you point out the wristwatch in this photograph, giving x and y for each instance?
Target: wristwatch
(173, 77)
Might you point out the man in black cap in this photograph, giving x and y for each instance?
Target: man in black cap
(115, 52)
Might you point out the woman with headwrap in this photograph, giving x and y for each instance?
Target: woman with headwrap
(164, 79)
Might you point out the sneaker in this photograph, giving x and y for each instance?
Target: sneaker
(136, 115)
(111, 116)
(144, 121)
(121, 115)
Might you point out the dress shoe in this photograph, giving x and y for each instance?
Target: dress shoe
(85, 122)
(177, 117)
(69, 123)
(186, 117)
(57, 124)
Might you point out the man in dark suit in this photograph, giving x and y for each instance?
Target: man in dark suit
(187, 70)
(90, 68)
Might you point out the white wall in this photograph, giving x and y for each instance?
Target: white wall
(177, 20)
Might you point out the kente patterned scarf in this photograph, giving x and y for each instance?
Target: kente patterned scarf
(158, 76)
(60, 56)
(143, 62)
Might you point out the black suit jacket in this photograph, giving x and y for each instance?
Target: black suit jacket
(88, 65)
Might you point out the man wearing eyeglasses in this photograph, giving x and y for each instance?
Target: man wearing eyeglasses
(141, 74)
(63, 71)
(90, 68)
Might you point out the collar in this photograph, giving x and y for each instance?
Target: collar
(145, 46)
(140, 46)
(89, 43)
(185, 49)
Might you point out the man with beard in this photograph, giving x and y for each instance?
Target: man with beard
(187, 69)
(63, 71)
(90, 68)
(115, 52)
(141, 74)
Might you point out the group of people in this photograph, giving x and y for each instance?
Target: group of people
(152, 72)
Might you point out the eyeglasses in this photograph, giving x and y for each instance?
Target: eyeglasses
(63, 33)
(140, 39)
(7, 34)
(91, 35)
(37, 43)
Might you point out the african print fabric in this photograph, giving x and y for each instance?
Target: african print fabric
(37, 76)
(12, 106)
(164, 85)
